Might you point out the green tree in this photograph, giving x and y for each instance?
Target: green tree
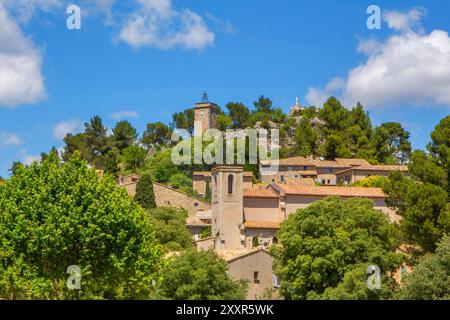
(162, 166)
(224, 122)
(55, 215)
(180, 181)
(306, 138)
(195, 275)
(263, 104)
(426, 216)
(133, 157)
(354, 287)
(145, 196)
(392, 143)
(423, 168)
(156, 135)
(111, 162)
(430, 278)
(336, 117)
(323, 242)
(396, 188)
(439, 146)
(170, 228)
(124, 135)
(96, 140)
(335, 147)
(239, 114)
(184, 120)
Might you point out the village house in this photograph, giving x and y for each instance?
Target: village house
(355, 174)
(245, 218)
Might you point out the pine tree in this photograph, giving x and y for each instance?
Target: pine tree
(145, 196)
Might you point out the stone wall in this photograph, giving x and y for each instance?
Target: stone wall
(168, 197)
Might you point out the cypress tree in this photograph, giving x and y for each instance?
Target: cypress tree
(145, 196)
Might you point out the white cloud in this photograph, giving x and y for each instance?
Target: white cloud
(159, 25)
(25, 9)
(68, 126)
(224, 26)
(404, 21)
(123, 115)
(28, 159)
(407, 68)
(9, 139)
(21, 80)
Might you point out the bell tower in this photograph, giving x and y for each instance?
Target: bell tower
(227, 207)
(205, 114)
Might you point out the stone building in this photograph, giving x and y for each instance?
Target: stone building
(355, 174)
(246, 221)
(201, 181)
(205, 115)
(325, 172)
(199, 212)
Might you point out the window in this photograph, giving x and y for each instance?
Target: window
(230, 183)
(256, 277)
(330, 170)
(275, 281)
(255, 242)
(328, 181)
(305, 168)
(281, 178)
(296, 176)
(273, 180)
(275, 240)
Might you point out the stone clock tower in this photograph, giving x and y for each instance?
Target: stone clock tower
(206, 115)
(227, 207)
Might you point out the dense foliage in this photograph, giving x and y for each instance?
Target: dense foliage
(198, 275)
(323, 247)
(145, 196)
(430, 279)
(55, 215)
(170, 228)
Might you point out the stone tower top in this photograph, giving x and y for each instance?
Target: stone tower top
(205, 115)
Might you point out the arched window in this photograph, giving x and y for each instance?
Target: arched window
(230, 184)
(255, 242)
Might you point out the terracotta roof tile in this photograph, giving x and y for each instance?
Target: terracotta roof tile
(333, 191)
(294, 161)
(352, 162)
(262, 224)
(380, 167)
(259, 192)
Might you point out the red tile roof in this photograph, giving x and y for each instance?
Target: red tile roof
(262, 224)
(332, 191)
(377, 168)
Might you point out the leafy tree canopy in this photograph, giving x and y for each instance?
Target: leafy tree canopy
(55, 215)
(170, 228)
(323, 242)
(198, 275)
(430, 278)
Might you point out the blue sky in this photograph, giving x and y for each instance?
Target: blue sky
(234, 50)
